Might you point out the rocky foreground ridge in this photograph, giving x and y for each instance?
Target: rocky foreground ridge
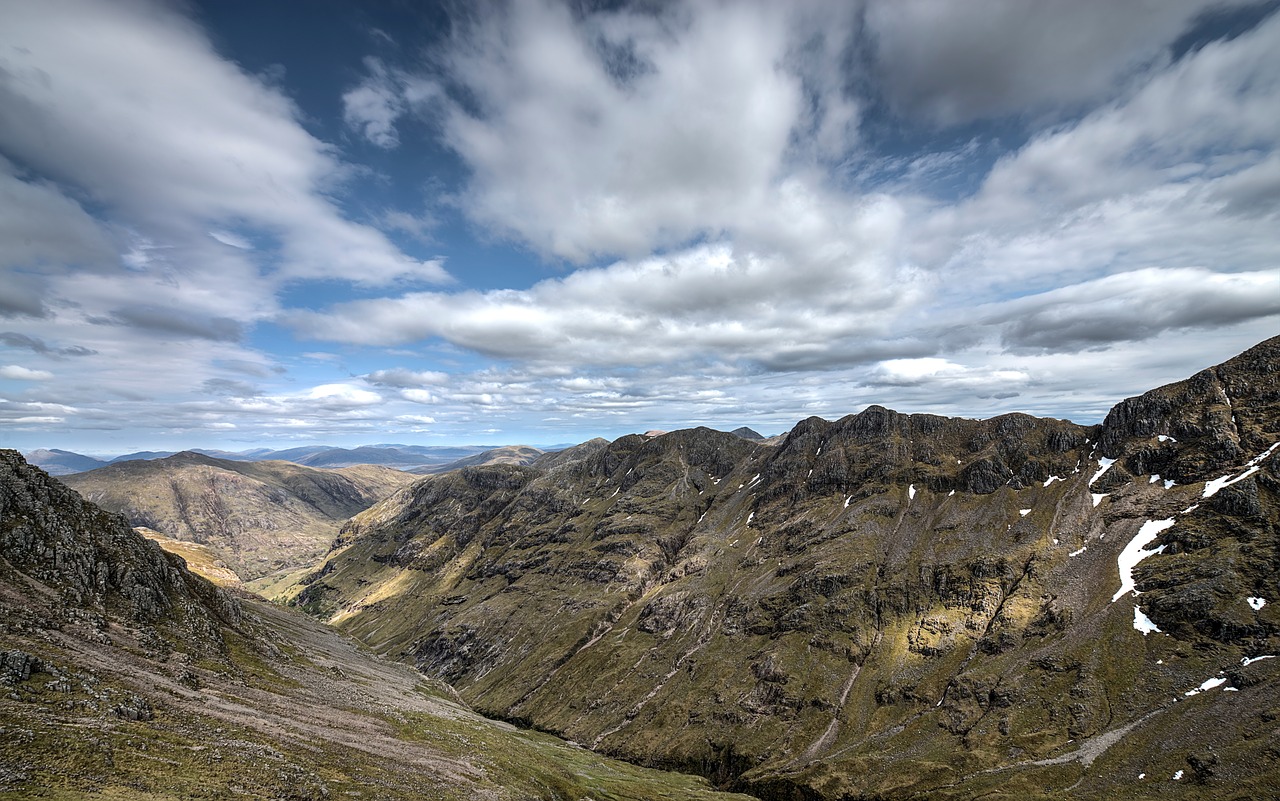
(883, 606)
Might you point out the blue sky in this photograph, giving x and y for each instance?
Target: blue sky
(235, 224)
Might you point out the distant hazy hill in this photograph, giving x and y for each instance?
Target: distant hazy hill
(509, 454)
(888, 606)
(259, 517)
(57, 462)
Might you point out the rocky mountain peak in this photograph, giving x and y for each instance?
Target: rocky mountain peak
(1190, 429)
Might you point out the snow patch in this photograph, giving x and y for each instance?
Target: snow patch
(1023, 512)
(1256, 603)
(952, 492)
(1177, 777)
(1211, 488)
(1135, 552)
(1051, 479)
(751, 517)
(1168, 482)
(847, 501)
(1165, 438)
(911, 491)
(1097, 498)
(1154, 478)
(1104, 464)
(1249, 660)
(1209, 684)
(1143, 623)
(1083, 548)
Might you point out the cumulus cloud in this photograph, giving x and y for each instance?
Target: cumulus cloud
(709, 302)
(741, 220)
(614, 132)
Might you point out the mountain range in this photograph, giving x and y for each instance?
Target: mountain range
(401, 457)
(884, 606)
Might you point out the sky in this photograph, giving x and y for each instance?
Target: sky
(239, 224)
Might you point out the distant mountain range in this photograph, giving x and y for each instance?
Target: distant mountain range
(57, 462)
(422, 459)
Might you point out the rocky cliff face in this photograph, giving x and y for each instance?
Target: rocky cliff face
(886, 605)
(67, 560)
(259, 517)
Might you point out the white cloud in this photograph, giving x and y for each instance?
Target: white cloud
(373, 107)
(402, 378)
(232, 239)
(617, 132)
(343, 396)
(709, 302)
(133, 106)
(17, 372)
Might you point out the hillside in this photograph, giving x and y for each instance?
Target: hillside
(260, 518)
(126, 677)
(883, 606)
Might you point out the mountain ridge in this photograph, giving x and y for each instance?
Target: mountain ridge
(777, 617)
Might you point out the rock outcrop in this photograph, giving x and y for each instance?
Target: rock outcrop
(84, 562)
